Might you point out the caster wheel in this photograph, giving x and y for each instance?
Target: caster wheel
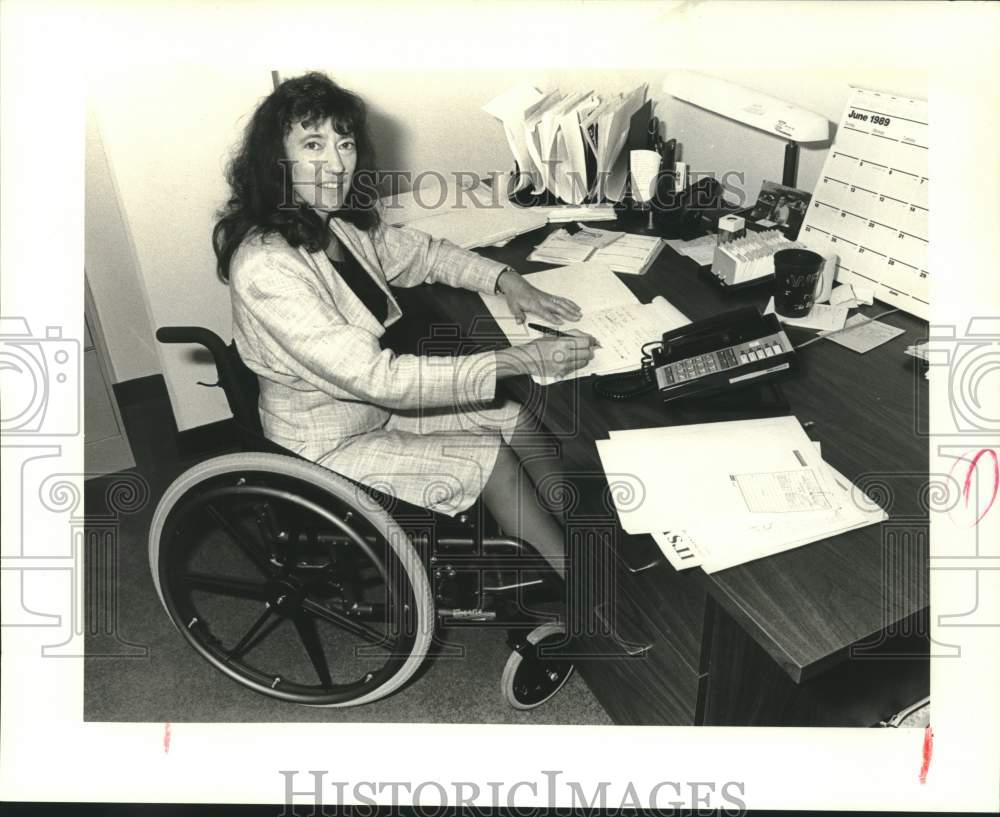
(529, 678)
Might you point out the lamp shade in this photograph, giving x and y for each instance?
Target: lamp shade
(766, 113)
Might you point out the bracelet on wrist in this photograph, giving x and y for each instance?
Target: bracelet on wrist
(497, 289)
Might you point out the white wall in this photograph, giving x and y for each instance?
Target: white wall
(431, 120)
(168, 134)
(113, 270)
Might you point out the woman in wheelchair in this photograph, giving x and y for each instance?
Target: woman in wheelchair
(244, 545)
(310, 265)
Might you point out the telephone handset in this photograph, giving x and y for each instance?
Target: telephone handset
(734, 349)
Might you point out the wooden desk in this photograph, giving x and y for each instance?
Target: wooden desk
(833, 633)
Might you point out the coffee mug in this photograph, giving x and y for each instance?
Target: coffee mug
(801, 278)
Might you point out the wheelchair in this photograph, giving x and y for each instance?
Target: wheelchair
(307, 587)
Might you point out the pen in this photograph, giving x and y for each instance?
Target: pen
(548, 330)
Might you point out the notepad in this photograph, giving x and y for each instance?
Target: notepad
(561, 248)
(631, 254)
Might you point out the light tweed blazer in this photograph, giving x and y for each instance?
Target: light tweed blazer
(425, 429)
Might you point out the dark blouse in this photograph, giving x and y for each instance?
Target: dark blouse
(363, 285)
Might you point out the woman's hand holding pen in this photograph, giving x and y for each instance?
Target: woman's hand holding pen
(549, 356)
(557, 353)
(522, 297)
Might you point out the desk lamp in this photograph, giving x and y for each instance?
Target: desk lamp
(766, 113)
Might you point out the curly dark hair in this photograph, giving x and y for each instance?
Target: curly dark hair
(260, 180)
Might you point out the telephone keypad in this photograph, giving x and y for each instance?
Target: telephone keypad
(719, 361)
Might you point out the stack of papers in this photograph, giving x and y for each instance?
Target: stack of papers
(438, 194)
(700, 250)
(824, 317)
(553, 136)
(459, 212)
(631, 254)
(567, 212)
(717, 495)
(469, 215)
(562, 248)
(611, 313)
(468, 228)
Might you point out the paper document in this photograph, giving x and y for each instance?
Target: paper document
(588, 212)
(596, 238)
(622, 331)
(862, 335)
(821, 316)
(682, 475)
(630, 254)
(611, 313)
(708, 537)
(781, 492)
(700, 250)
(591, 285)
(721, 544)
(470, 228)
(561, 248)
(679, 548)
(509, 108)
(851, 296)
(436, 196)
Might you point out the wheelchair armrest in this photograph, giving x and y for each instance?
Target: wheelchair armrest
(238, 382)
(193, 334)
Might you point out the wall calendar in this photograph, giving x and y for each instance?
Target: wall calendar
(870, 203)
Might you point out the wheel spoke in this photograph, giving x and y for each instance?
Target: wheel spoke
(369, 634)
(306, 627)
(258, 559)
(255, 628)
(225, 586)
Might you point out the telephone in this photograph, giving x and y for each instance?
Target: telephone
(730, 350)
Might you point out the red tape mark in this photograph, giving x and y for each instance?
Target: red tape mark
(996, 480)
(928, 751)
(967, 485)
(166, 736)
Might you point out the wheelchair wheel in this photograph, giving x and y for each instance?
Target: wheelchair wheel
(531, 677)
(290, 580)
